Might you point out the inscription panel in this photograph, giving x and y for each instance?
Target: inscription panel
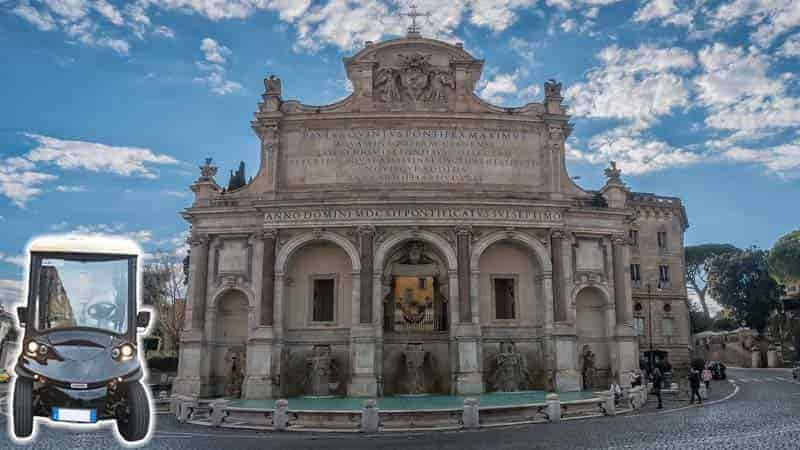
(396, 156)
(287, 217)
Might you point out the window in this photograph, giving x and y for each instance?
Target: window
(504, 298)
(421, 283)
(666, 327)
(667, 307)
(634, 236)
(638, 326)
(662, 240)
(663, 274)
(635, 274)
(324, 300)
(637, 306)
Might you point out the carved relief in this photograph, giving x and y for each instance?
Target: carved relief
(415, 80)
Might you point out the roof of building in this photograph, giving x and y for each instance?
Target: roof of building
(75, 243)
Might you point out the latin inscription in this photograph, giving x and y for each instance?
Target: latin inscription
(388, 156)
(330, 215)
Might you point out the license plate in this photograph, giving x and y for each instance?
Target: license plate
(74, 415)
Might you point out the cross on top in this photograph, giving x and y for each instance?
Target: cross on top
(414, 29)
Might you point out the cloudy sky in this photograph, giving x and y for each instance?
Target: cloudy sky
(109, 107)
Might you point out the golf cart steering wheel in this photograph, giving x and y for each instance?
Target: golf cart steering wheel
(102, 310)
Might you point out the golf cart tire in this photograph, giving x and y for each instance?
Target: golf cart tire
(135, 427)
(23, 407)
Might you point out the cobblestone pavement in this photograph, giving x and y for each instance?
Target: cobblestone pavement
(763, 414)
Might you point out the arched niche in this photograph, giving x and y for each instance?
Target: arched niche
(231, 329)
(591, 324)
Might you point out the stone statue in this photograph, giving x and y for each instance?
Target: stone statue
(552, 89)
(235, 378)
(414, 79)
(272, 85)
(320, 371)
(386, 84)
(207, 171)
(589, 371)
(613, 173)
(440, 81)
(511, 371)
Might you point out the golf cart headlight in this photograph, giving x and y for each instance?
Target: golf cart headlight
(124, 352)
(32, 347)
(43, 350)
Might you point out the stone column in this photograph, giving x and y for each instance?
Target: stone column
(365, 331)
(464, 307)
(198, 274)
(626, 344)
(268, 277)
(465, 334)
(557, 256)
(366, 235)
(193, 355)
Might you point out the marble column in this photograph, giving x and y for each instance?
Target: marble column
(366, 235)
(557, 256)
(268, 277)
(464, 307)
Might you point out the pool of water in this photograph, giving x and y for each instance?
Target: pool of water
(410, 403)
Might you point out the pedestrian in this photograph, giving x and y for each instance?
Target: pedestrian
(694, 384)
(656, 378)
(707, 377)
(616, 389)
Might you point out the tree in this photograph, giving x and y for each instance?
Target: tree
(165, 288)
(784, 258)
(697, 257)
(700, 322)
(741, 282)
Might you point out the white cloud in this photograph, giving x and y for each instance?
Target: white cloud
(523, 48)
(579, 4)
(500, 87)
(497, 15)
(20, 182)
(10, 292)
(40, 19)
(114, 229)
(108, 11)
(634, 84)
(771, 18)
(96, 157)
(568, 25)
(739, 93)
(64, 188)
(655, 9)
(783, 160)
(634, 152)
(214, 73)
(213, 51)
(790, 47)
(17, 260)
(164, 31)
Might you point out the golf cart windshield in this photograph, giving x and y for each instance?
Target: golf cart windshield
(81, 291)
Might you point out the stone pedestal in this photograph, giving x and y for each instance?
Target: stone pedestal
(363, 380)
(471, 415)
(370, 417)
(553, 407)
(772, 358)
(567, 377)
(258, 375)
(755, 358)
(627, 350)
(194, 366)
(466, 362)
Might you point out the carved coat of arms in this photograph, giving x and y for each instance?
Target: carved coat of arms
(415, 79)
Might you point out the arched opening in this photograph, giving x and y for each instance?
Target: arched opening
(230, 343)
(593, 348)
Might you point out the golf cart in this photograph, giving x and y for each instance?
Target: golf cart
(79, 362)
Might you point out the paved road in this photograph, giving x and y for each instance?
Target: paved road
(762, 415)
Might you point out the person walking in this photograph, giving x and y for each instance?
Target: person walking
(694, 384)
(657, 378)
(707, 377)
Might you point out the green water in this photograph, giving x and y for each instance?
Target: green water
(409, 403)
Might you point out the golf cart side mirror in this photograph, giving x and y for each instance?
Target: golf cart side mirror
(142, 319)
(22, 315)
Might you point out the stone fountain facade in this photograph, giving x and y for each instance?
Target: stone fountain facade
(415, 212)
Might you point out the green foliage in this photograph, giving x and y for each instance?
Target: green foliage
(237, 179)
(598, 201)
(700, 322)
(697, 257)
(784, 259)
(163, 363)
(741, 282)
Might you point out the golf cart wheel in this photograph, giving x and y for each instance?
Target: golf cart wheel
(23, 407)
(134, 426)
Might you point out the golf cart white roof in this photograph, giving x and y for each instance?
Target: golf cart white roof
(93, 244)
